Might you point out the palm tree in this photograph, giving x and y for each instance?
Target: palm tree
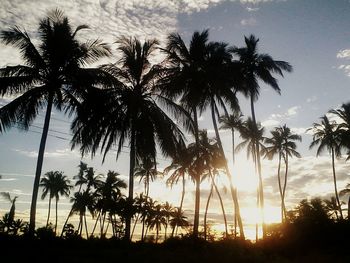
(157, 220)
(168, 210)
(55, 184)
(332, 206)
(344, 192)
(178, 220)
(147, 171)
(344, 126)
(255, 67)
(252, 135)
(198, 74)
(83, 201)
(232, 122)
(327, 137)
(109, 192)
(52, 76)
(282, 143)
(129, 112)
(11, 214)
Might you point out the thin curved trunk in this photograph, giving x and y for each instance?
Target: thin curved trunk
(280, 185)
(206, 211)
(65, 223)
(257, 207)
(97, 219)
(233, 164)
(197, 179)
(56, 215)
(335, 186)
(221, 204)
(48, 214)
(131, 182)
(86, 228)
(133, 228)
(258, 161)
(182, 199)
(143, 229)
(232, 188)
(39, 165)
(284, 188)
(349, 208)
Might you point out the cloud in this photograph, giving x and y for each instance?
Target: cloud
(270, 122)
(249, 22)
(275, 118)
(311, 99)
(344, 53)
(292, 111)
(55, 154)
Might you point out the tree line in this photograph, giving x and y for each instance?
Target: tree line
(134, 102)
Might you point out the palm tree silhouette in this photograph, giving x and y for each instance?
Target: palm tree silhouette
(282, 143)
(178, 220)
(55, 184)
(332, 206)
(157, 220)
(326, 136)
(147, 171)
(232, 122)
(168, 210)
(344, 192)
(252, 135)
(129, 112)
(11, 214)
(53, 76)
(344, 126)
(199, 75)
(255, 67)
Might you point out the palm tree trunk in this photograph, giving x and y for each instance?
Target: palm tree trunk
(284, 189)
(182, 199)
(173, 230)
(335, 186)
(65, 223)
(206, 211)
(258, 161)
(131, 183)
(280, 185)
(56, 216)
(86, 228)
(133, 228)
(221, 203)
(232, 188)
(197, 179)
(39, 165)
(349, 208)
(97, 219)
(233, 164)
(48, 214)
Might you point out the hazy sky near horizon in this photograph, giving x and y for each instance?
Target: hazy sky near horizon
(312, 35)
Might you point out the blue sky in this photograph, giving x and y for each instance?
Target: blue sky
(312, 35)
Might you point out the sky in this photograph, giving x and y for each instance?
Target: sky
(313, 36)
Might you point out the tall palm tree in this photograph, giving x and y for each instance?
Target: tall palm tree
(198, 75)
(326, 136)
(282, 143)
(128, 111)
(254, 67)
(344, 192)
(157, 220)
(232, 122)
(53, 75)
(252, 135)
(55, 184)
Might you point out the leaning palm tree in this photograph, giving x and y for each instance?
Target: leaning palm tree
(326, 136)
(53, 75)
(129, 111)
(344, 192)
(11, 214)
(256, 66)
(55, 184)
(282, 143)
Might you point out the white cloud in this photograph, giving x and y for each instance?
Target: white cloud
(292, 111)
(270, 122)
(55, 154)
(249, 22)
(299, 130)
(345, 53)
(311, 99)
